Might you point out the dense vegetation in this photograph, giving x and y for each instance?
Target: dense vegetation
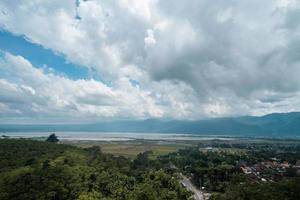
(288, 189)
(218, 170)
(45, 171)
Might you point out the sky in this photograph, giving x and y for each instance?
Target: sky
(83, 61)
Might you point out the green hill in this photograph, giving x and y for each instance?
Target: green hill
(47, 171)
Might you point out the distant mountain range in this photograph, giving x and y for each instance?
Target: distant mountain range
(276, 124)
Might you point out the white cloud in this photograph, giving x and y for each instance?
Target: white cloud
(36, 95)
(189, 59)
(149, 40)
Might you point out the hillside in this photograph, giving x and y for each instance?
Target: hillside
(41, 170)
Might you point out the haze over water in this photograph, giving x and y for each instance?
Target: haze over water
(115, 136)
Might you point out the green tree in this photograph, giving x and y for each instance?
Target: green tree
(52, 138)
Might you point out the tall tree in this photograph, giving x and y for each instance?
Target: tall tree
(52, 138)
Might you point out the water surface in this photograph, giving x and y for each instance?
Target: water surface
(115, 136)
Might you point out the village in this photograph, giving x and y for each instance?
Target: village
(270, 170)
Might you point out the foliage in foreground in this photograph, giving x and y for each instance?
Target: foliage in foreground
(285, 190)
(45, 171)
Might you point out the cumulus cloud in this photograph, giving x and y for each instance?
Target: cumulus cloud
(36, 95)
(174, 59)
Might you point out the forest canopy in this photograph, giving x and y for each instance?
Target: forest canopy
(42, 170)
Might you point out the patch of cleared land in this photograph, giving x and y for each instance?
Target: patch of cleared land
(131, 149)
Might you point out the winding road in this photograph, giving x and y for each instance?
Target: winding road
(198, 194)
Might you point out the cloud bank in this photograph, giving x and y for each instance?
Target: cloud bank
(153, 59)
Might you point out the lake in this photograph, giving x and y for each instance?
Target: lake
(115, 136)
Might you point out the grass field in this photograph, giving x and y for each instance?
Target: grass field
(131, 150)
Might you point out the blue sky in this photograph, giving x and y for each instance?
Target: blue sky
(133, 59)
(40, 56)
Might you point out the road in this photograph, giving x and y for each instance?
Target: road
(198, 194)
